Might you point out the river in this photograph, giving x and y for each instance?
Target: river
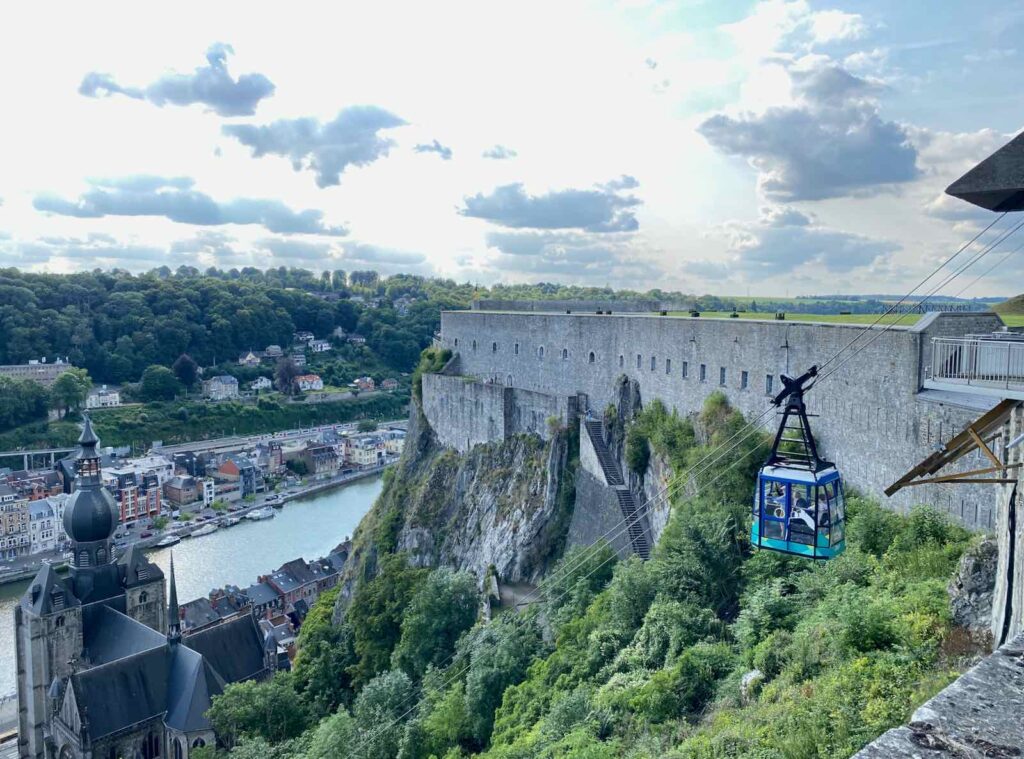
(309, 527)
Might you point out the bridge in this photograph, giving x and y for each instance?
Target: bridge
(30, 455)
(987, 365)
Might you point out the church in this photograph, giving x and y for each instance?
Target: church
(103, 669)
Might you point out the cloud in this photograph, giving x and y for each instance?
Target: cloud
(500, 153)
(836, 26)
(435, 147)
(830, 142)
(784, 239)
(210, 85)
(284, 248)
(94, 250)
(174, 199)
(601, 209)
(573, 255)
(327, 149)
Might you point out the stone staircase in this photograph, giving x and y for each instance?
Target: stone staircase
(627, 504)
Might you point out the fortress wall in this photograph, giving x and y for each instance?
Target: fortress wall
(561, 306)
(873, 423)
(464, 413)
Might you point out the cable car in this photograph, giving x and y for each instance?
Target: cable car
(798, 505)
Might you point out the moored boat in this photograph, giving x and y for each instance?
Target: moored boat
(168, 540)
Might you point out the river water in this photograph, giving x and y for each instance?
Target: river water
(309, 527)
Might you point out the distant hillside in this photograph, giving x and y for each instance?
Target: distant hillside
(1014, 305)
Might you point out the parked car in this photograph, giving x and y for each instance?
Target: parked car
(146, 535)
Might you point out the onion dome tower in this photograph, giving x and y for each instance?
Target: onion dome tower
(90, 518)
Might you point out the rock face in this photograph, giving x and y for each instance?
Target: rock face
(971, 592)
(499, 504)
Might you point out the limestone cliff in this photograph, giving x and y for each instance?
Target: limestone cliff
(504, 505)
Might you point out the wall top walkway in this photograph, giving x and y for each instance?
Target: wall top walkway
(979, 715)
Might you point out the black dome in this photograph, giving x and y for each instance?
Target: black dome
(89, 515)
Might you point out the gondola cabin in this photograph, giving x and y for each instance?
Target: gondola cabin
(800, 512)
(798, 504)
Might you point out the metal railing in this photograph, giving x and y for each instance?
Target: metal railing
(978, 361)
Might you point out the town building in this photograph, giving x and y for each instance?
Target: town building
(320, 459)
(38, 371)
(364, 383)
(250, 358)
(209, 491)
(307, 382)
(394, 441)
(261, 383)
(356, 339)
(42, 527)
(136, 492)
(181, 489)
(241, 470)
(298, 357)
(319, 346)
(389, 385)
(302, 336)
(103, 669)
(103, 398)
(273, 353)
(220, 388)
(15, 539)
(366, 451)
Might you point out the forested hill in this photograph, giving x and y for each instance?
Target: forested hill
(116, 324)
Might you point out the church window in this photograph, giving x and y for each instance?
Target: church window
(83, 558)
(101, 556)
(198, 743)
(177, 748)
(143, 597)
(59, 621)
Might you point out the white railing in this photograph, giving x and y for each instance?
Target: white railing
(978, 361)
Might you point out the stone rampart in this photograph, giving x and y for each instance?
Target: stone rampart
(575, 306)
(874, 423)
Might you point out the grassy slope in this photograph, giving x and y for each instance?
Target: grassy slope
(176, 422)
(907, 319)
(1012, 311)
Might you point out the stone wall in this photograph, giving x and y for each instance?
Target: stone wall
(873, 420)
(1008, 597)
(463, 412)
(597, 515)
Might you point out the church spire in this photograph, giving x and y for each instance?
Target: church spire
(173, 615)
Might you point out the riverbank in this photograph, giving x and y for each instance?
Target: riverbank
(184, 530)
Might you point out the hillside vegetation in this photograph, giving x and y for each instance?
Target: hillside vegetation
(1012, 311)
(629, 659)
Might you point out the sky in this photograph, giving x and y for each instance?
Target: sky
(780, 147)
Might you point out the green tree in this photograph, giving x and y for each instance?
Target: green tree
(366, 425)
(284, 376)
(21, 401)
(158, 384)
(375, 614)
(69, 390)
(443, 608)
(324, 654)
(383, 701)
(333, 738)
(186, 370)
(266, 709)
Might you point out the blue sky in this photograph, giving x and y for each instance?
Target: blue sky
(783, 146)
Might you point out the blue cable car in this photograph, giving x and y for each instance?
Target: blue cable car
(798, 505)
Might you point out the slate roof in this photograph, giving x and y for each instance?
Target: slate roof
(46, 588)
(233, 648)
(261, 593)
(123, 692)
(137, 569)
(193, 684)
(109, 635)
(198, 613)
(997, 183)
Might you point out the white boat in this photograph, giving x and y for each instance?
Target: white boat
(232, 521)
(258, 514)
(168, 540)
(206, 529)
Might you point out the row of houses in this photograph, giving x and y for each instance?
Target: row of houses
(279, 600)
(337, 451)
